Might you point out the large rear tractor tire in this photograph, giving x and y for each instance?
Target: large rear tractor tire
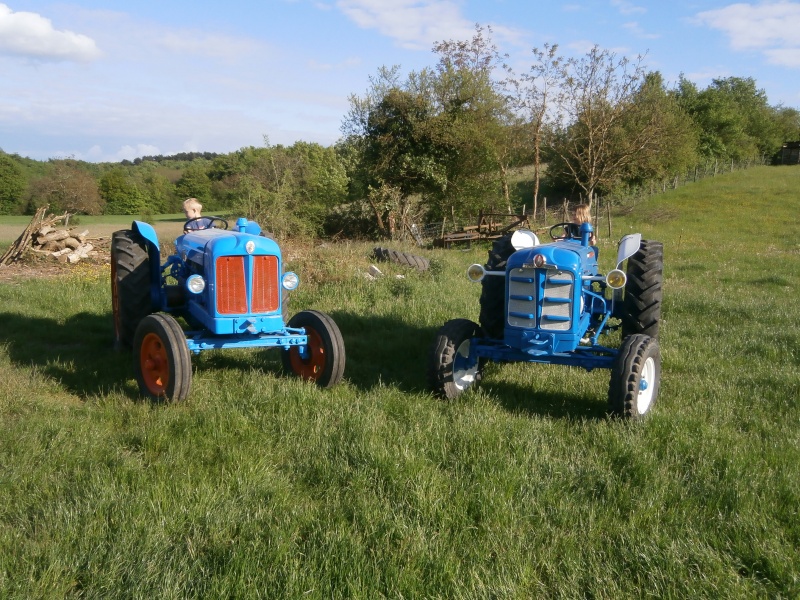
(643, 290)
(635, 377)
(130, 284)
(450, 369)
(324, 363)
(493, 289)
(161, 358)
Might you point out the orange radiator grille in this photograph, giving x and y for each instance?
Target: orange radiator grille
(231, 285)
(265, 284)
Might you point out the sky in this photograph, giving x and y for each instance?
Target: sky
(103, 81)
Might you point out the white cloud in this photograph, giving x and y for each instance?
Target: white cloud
(418, 24)
(197, 43)
(770, 27)
(627, 8)
(32, 35)
(785, 57)
(635, 29)
(414, 24)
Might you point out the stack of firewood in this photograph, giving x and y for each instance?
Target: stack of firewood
(48, 234)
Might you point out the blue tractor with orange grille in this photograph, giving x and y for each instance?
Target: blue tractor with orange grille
(548, 303)
(223, 288)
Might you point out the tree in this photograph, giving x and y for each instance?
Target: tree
(287, 190)
(69, 187)
(473, 126)
(532, 96)
(594, 96)
(194, 183)
(671, 143)
(121, 195)
(12, 185)
(734, 118)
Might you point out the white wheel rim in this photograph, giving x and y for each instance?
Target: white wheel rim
(646, 386)
(463, 377)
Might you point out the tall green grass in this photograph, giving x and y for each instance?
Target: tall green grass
(260, 485)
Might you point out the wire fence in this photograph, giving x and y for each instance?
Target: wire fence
(550, 211)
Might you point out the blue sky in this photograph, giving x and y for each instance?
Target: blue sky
(108, 80)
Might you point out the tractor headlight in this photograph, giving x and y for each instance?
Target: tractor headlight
(290, 280)
(475, 273)
(616, 279)
(196, 284)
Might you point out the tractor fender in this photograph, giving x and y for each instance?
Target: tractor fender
(154, 254)
(147, 232)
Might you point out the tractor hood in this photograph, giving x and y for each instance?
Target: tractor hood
(195, 245)
(562, 255)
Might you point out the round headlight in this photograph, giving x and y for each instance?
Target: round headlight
(290, 280)
(475, 273)
(616, 279)
(196, 284)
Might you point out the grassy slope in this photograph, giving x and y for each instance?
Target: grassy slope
(262, 486)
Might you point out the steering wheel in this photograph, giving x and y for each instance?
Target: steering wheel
(565, 231)
(208, 223)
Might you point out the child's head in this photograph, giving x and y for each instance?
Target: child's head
(583, 214)
(192, 208)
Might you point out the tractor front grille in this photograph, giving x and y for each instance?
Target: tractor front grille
(540, 298)
(266, 294)
(231, 284)
(557, 301)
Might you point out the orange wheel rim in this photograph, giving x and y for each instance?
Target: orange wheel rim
(154, 364)
(313, 366)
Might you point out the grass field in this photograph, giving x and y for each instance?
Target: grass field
(262, 486)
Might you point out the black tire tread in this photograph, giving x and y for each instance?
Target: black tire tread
(181, 365)
(644, 290)
(442, 356)
(132, 272)
(405, 259)
(329, 331)
(623, 388)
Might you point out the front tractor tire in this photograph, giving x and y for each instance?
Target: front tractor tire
(161, 358)
(643, 290)
(130, 284)
(325, 357)
(635, 377)
(450, 369)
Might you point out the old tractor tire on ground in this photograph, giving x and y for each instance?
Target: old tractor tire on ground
(401, 258)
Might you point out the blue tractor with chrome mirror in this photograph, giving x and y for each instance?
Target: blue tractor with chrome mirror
(549, 303)
(230, 290)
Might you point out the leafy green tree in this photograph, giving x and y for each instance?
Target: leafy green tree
(473, 128)
(194, 183)
(669, 145)
(120, 193)
(287, 190)
(70, 187)
(734, 118)
(12, 185)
